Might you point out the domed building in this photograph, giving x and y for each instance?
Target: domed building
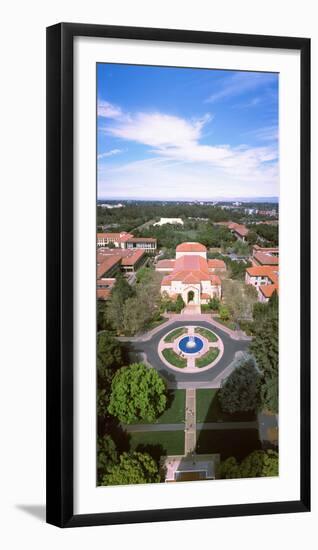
(191, 274)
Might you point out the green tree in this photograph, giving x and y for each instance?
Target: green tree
(140, 309)
(214, 304)
(224, 313)
(106, 455)
(256, 464)
(115, 310)
(137, 393)
(241, 389)
(265, 348)
(239, 299)
(109, 353)
(179, 304)
(133, 468)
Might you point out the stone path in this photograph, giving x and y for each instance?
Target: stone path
(190, 422)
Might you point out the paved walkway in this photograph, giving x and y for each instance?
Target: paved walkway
(190, 424)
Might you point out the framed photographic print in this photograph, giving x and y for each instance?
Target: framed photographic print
(178, 274)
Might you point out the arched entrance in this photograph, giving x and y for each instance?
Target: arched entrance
(190, 296)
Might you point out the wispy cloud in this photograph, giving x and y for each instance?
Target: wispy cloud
(238, 84)
(108, 110)
(109, 153)
(267, 133)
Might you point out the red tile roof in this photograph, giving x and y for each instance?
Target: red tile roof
(238, 228)
(106, 264)
(120, 237)
(216, 264)
(132, 258)
(191, 247)
(263, 271)
(265, 259)
(267, 290)
(165, 264)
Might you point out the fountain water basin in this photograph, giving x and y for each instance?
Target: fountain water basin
(190, 344)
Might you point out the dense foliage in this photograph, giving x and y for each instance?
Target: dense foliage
(265, 348)
(107, 455)
(256, 464)
(131, 309)
(133, 468)
(137, 393)
(240, 391)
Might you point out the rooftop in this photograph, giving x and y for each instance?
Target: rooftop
(191, 247)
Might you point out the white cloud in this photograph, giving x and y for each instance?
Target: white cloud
(108, 110)
(183, 167)
(158, 129)
(238, 84)
(109, 153)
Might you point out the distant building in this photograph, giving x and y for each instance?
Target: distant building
(145, 243)
(240, 231)
(105, 205)
(126, 240)
(110, 262)
(190, 275)
(265, 279)
(116, 239)
(173, 221)
(265, 256)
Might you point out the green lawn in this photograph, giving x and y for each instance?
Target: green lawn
(174, 359)
(175, 412)
(209, 410)
(229, 324)
(175, 334)
(238, 443)
(207, 358)
(208, 334)
(158, 443)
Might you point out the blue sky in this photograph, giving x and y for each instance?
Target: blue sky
(174, 133)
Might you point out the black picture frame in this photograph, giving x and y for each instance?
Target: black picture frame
(60, 238)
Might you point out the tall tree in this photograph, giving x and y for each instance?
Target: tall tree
(106, 456)
(265, 348)
(256, 464)
(133, 468)
(241, 389)
(137, 393)
(121, 292)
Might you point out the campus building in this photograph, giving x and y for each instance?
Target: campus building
(264, 278)
(191, 275)
(126, 240)
(265, 256)
(110, 262)
(172, 221)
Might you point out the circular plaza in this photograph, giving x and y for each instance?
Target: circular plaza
(192, 348)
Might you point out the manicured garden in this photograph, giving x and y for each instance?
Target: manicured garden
(237, 443)
(208, 334)
(174, 359)
(209, 409)
(168, 443)
(175, 334)
(207, 358)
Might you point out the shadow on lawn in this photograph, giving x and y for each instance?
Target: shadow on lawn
(226, 442)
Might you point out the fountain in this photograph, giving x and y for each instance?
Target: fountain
(191, 342)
